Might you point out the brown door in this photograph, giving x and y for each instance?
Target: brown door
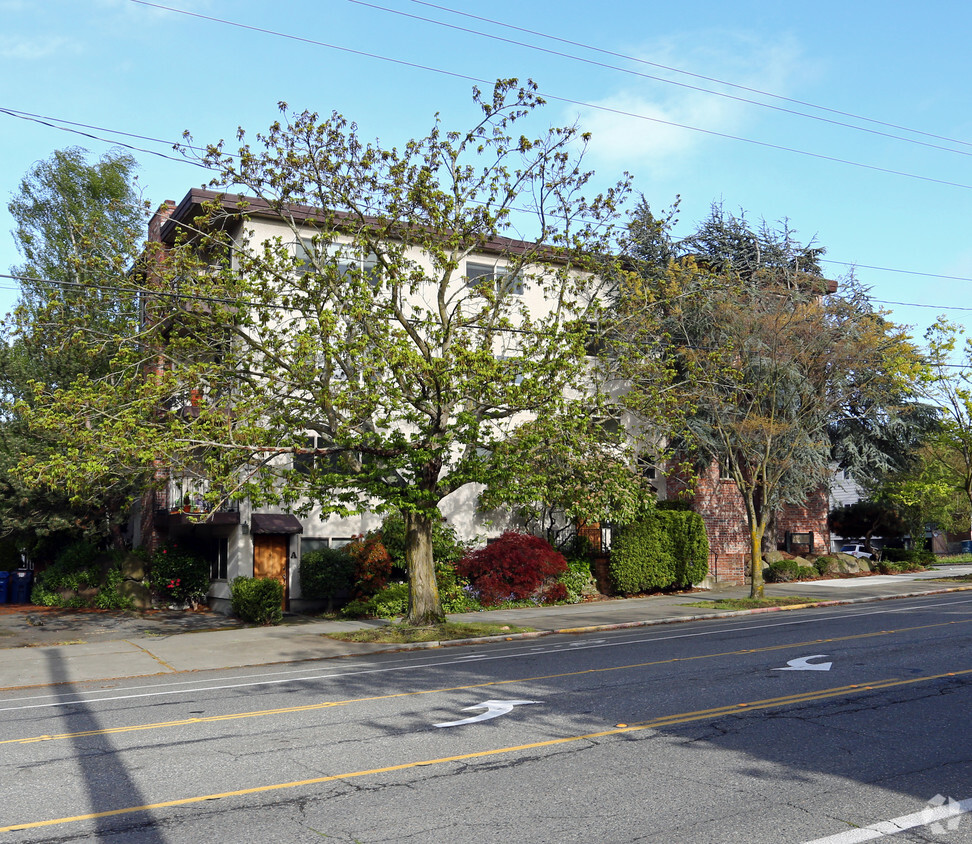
(270, 558)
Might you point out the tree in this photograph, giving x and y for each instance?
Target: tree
(949, 387)
(758, 360)
(866, 518)
(358, 327)
(78, 226)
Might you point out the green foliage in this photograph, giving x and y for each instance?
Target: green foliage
(822, 564)
(689, 546)
(390, 602)
(257, 600)
(177, 576)
(109, 596)
(446, 545)
(578, 580)
(641, 560)
(325, 573)
(664, 549)
(783, 571)
(79, 223)
(914, 556)
(75, 569)
(81, 568)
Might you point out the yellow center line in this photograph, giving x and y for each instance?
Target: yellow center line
(313, 707)
(664, 721)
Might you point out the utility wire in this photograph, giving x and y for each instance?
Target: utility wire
(563, 99)
(54, 123)
(684, 85)
(690, 74)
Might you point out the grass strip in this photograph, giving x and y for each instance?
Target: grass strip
(401, 634)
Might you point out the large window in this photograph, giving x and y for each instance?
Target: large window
(479, 274)
(347, 257)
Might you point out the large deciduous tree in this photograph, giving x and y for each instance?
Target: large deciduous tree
(78, 226)
(758, 359)
(362, 329)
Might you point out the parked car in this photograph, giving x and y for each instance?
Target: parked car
(856, 551)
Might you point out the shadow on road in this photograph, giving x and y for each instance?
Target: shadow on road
(101, 768)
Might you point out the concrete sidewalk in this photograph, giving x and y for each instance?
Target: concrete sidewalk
(98, 647)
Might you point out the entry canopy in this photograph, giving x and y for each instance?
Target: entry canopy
(275, 523)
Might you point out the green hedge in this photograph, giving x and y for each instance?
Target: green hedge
(920, 556)
(665, 549)
(326, 574)
(257, 600)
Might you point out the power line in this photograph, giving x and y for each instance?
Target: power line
(691, 74)
(662, 79)
(562, 99)
(53, 123)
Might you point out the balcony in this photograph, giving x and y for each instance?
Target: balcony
(180, 503)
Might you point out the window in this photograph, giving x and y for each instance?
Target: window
(478, 275)
(346, 256)
(315, 543)
(218, 557)
(306, 463)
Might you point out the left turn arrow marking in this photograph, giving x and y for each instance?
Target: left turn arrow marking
(494, 708)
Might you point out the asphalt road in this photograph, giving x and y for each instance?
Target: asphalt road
(789, 727)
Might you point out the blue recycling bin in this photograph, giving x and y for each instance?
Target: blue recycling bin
(4, 578)
(967, 546)
(18, 587)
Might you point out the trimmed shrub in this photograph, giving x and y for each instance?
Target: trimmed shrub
(640, 557)
(257, 600)
(516, 566)
(664, 549)
(783, 571)
(689, 545)
(177, 576)
(325, 574)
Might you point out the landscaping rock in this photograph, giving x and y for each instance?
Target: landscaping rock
(138, 592)
(803, 562)
(133, 567)
(774, 556)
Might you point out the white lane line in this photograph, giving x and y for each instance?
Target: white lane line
(69, 699)
(949, 812)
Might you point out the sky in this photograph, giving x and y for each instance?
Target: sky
(850, 120)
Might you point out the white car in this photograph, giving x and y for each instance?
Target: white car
(856, 551)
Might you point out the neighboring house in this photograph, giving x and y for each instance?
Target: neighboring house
(239, 539)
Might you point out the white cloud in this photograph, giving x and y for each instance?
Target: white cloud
(659, 142)
(32, 49)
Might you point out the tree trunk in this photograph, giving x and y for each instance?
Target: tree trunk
(424, 606)
(756, 562)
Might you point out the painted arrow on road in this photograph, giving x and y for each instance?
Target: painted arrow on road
(494, 708)
(803, 664)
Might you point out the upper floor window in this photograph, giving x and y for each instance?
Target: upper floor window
(347, 257)
(478, 274)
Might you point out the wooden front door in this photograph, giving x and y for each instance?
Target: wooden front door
(270, 558)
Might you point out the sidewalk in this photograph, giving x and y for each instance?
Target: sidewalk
(39, 647)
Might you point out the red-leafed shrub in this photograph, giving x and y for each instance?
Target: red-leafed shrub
(514, 567)
(372, 565)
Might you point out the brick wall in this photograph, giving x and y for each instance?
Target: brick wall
(718, 501)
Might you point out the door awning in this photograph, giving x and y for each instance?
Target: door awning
(275, 523)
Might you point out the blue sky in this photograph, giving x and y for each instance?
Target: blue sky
(897, 203)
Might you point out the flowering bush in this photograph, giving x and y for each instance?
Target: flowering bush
(516, 566)
(372, 565)
(177, 576)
